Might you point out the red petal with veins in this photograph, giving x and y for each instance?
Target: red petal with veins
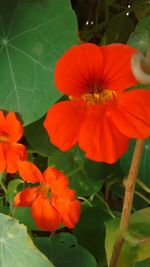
(132, 114)
(79, 69)
(100, 138)
(63, 123)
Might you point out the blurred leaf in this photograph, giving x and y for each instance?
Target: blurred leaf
(90, 231)
(118, 30)
(85, 176)
(140, 37)
(141, 8)
(144, 171)
(112, 233)
(136, 246)
(38, 139)
(64, 251)
(12, 189)
(138, 201)
(145, 263)
(4, 208)
(139, 227)
(33, 34)
(17, 248)
(24, 216)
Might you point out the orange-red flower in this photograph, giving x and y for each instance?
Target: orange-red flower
(101, 115)
(52, 202)
(11, 152)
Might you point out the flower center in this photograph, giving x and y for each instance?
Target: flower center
(101, 97)
(96, 96)
(45, 190)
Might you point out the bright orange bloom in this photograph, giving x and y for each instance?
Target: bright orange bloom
(101, 115)
(11, 152)
(52, 202)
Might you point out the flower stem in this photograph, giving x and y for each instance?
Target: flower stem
(2, 178)
(128, 200)
(144, 186)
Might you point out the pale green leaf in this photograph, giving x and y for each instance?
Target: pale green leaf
(16, 246)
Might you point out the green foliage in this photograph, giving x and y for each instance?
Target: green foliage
(145, 263)
(33, 35)
(85, 182)
(140, 37)
(23, 215)
(85, 176)
(12, 190)
(64, 251)
(137, 244)
(144, 166)
(141, 8)
(118, 32)
(90, 231)
(16, 246)
(38, 139)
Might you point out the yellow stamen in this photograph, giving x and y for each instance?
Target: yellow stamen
(3, 138)
(97, 96)
(102, 97)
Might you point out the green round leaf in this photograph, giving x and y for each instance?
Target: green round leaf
(16, 246)
(90, 231)
(64, 251)
(33, 35)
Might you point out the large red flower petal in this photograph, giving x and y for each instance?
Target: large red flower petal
(14, 153)
(57, 181)
(26, 197)
(117, 74)
(79, 69)
(45, 216)
(29, 172)
(13, 127)
(69, 210)
(3, 147)
(63, 122)
(132, 113)
(100, 139)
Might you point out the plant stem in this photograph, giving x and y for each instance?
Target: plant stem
(2, 178)
(106, 205)
(144, 186)
(142, 196)
(3, 186)
(128, 200)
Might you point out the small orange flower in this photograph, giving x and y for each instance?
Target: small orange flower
(52, 202)
(101, 115)
(11, 152)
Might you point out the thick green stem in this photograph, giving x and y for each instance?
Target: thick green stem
(128, 200)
